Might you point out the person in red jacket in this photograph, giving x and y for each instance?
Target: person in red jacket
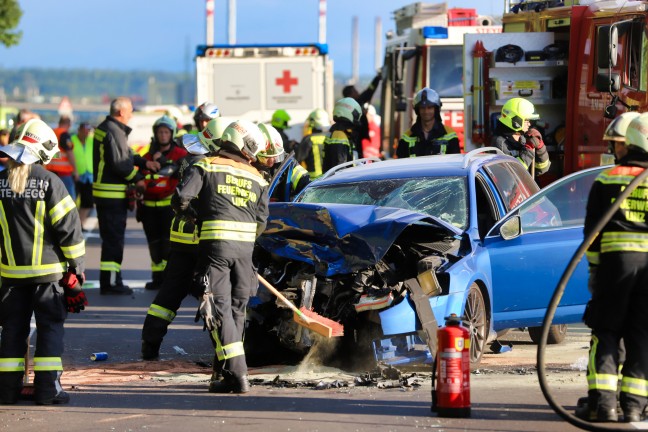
(154, 209)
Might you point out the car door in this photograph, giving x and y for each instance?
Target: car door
(526, 269)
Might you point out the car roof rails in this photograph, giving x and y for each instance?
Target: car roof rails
(471, 154)
(349, 164)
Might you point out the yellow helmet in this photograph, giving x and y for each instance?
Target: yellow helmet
(516, 111)
(280, 119)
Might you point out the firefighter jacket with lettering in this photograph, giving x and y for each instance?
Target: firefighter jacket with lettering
(339, 145)
(160, 188)
(231, 203)
(523, 150)
(440, 140)
(627, 231)
(114, 163)
(310, 153)
(185, 231)
(40, 230)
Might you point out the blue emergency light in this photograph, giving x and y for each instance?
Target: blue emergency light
(434, 32)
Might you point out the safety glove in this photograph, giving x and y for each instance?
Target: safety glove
(200, 285)
(207, 311)
(75, 298)
(534, 139)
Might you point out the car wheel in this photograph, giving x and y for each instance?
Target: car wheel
(557, 334)
(476, 322)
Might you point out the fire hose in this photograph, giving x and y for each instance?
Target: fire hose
(555, 301)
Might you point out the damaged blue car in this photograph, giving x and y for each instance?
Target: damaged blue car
(390, 248)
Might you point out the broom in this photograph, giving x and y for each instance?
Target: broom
(306, 318)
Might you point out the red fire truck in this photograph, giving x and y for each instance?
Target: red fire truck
(580, 64)
(426, 51)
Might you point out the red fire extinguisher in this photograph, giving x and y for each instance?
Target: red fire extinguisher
(451, 391)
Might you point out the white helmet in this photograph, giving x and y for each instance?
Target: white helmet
(211, 135)
(616, 130)
(319, 119)
(205, 112)
(274, 144)
(637, 133)
(347, 108)
(35, 142)
(245, 137)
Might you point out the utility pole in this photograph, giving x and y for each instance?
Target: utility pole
(355, 64)
(322, 21)
(231, 22)
(378, 44)
(209, 24)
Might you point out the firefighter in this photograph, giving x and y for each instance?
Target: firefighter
(280, 119)
(428, 135)
(205, 112)
(343, 139)
(42, 239)
(310, 150)
(183, 254)
(514, 136)
(64, 163)
(154, 210)
(294, 177)
(231, 203)
(364, 100)
(114, 167)
(619, 259)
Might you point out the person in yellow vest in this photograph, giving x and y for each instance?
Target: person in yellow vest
(310, 150)
(82, 149)
(63, 165)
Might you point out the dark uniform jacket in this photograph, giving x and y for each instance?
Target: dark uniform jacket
(113, 162)
(40, 230)
(523, 149)
(339, 145)
(627, 231)
(440, 140)
(231, 202)
(185, 230)
(311, 152)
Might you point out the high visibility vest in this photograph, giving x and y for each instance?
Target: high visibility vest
(82, 154)
(60, 163)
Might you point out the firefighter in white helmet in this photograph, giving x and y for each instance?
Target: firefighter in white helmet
(230, 198)
(428, 135)
(42, 242)
(620, 288)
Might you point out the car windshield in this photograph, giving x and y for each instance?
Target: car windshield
(442, 197)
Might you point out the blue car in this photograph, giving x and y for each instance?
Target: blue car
(390, 248)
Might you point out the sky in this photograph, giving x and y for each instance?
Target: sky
(162, 35)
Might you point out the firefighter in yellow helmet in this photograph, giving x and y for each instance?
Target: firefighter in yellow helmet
(310, 151)
(280, 121)
(343, 140)
(42, 259)
(616, 311)
(230, 199)
(428, 135)
(515, 136)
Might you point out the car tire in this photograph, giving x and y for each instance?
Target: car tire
(557, 334)
(477, 323)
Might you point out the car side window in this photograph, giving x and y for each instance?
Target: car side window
(561, 204)
(512, 181)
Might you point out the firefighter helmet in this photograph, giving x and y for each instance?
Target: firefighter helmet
(319, 119)
(347, 109)
(280, 119)
(515, 112)
(426, 97)
(244, 137)
(35, 142)
(637, 133)
(205, 112)
(210, 136)
(274, 145)
(616, 130)
(167, 122)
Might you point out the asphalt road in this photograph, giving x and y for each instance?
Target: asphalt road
(124, 393)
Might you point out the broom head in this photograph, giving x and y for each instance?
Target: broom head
(317, 323)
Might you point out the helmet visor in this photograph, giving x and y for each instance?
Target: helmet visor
(20, 153)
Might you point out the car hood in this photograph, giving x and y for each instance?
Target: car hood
(339, 238)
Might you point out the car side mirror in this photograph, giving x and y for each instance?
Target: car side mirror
(511, 229)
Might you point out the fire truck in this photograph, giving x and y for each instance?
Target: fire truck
(580, 64)
(426, 51)
(252, 81)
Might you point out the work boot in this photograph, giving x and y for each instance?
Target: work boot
(150, 350)
(115, 290)
(152, 285)
(632, 416)
(606, 415)
(230, 384)
(60, 399)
